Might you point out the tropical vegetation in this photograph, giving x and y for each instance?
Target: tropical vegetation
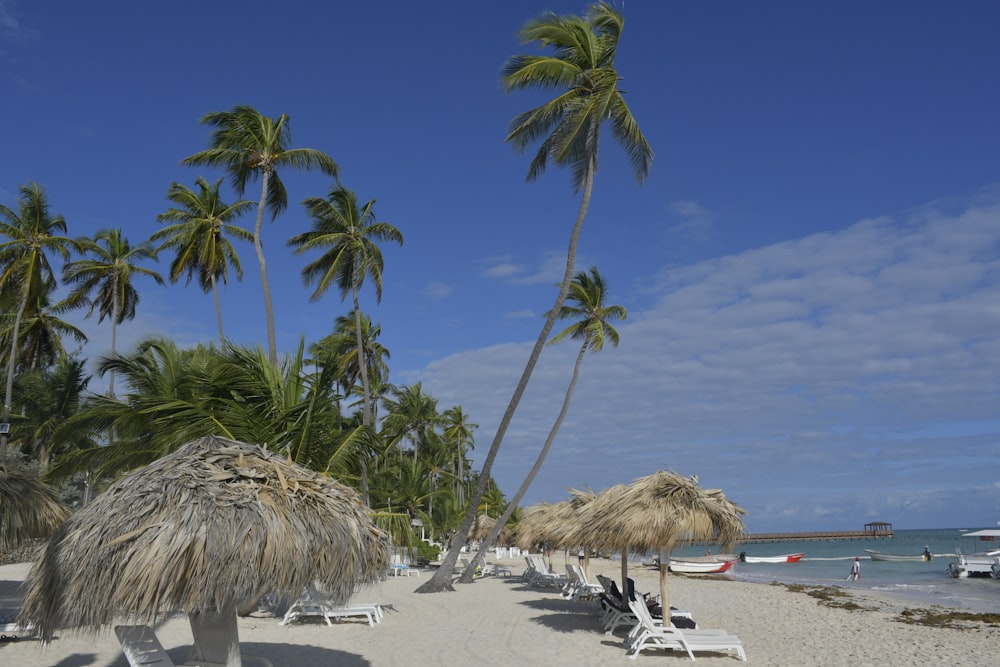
(328, 404)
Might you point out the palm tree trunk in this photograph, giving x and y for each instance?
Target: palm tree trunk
(272, 345)
(218, 307)
(9, 394)
(114, 334)
(526, 484)
(441, 581)
(366, 409)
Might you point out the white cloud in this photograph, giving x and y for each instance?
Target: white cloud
(835, 374)
(696, 221)
(437, 291)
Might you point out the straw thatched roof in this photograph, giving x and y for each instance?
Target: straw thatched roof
(540, 524)
(29, 508)
(481, 527)
(216, 524)
(662, 510)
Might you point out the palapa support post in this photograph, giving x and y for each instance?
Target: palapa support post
(664, 591)
(216, 638)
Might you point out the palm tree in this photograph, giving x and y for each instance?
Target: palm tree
(587, 294)
(411, 414)
(41, 334)
(24, 266)
(104, 281)
(458, 432)
(348, 234)
(52, 396)
(251, 146)
(583, 70)
(201, 223)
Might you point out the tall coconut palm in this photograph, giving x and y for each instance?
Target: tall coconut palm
(31, 233)
(586, 296)
(104, 280)
(202, 223)
(458, 433)
(348, 233)
(411, 414)
(582, 69)
(249, 146)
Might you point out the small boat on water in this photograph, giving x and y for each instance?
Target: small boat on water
(979, 564)
(702, 564)
(881, 555)
(785, 558)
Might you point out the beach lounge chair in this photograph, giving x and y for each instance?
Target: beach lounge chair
(579, 587)
(142, 648)
(400, 567)
(662, 636)
(541, 575)
(313, 604)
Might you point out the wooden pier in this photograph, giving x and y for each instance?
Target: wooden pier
(873, 531)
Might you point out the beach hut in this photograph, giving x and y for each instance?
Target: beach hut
(206, 530)
(659, 512)
(29, 508)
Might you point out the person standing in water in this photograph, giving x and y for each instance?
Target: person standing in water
(855, 569)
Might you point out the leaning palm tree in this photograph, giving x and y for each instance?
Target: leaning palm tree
(31, 233)
(250, 146)
(583, 70)
(587, 294)
(201, 224)
(348, 233)
(104, 280)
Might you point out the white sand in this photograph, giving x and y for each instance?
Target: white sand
(497, 621)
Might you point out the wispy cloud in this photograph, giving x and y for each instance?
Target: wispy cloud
(696, 222)
(437, 291)
(11, 29)
(845, 367)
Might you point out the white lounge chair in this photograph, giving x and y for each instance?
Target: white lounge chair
(579, 587)
(313, 604)
(142, 648)
(401, 568)
(665, 636)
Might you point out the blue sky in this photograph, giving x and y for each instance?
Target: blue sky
(811, 268)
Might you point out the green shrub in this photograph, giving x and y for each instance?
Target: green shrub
(427, 552)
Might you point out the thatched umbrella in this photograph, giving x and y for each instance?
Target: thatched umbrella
(29, 508)
(662, 510)
(481, 527)
(543, 523)
(204, 530)
(589, 512)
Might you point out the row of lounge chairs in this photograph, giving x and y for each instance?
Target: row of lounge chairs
(639, 612)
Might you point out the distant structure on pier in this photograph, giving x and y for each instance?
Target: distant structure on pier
(873, 531)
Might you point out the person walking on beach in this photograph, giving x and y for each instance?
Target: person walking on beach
(855, 569)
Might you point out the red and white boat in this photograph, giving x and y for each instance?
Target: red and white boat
(785, 558)
(702, 564)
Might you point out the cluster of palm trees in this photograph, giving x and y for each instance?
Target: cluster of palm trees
(319, 405)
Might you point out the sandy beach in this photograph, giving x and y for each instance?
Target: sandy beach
(499, 621)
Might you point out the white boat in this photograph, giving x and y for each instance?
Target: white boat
(702, 564)
(784, 558)
(881, 555)
(979, 564)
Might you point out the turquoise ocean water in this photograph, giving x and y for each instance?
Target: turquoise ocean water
(916, 583)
